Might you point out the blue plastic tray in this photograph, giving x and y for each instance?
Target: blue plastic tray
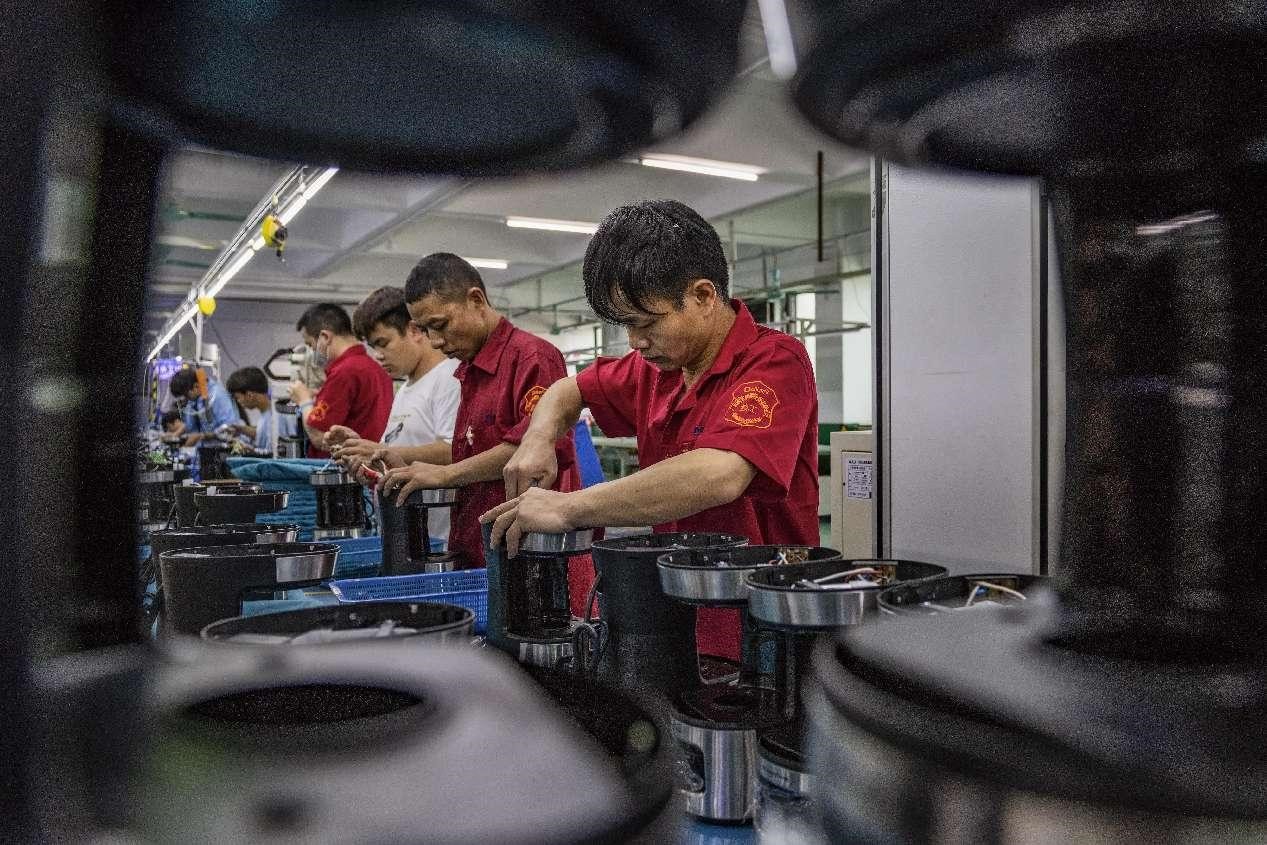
(466, 588)
(359, 557)
(295, 600)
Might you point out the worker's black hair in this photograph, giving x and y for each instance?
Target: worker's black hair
(182, 382)
(444, 274)
(168, 418)
(247, 379)
(650, 250)
(325, 316)
(386, 306)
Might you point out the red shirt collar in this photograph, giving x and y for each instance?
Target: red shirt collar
(343, 358)
(742, 334)
(490, 353)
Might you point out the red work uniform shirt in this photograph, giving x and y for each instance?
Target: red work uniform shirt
(357, 393)
(758, 400)
(500, 387)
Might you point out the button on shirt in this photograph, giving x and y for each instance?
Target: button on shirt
(758, 400)
(422, 413)
(357, 393)
(500, 388)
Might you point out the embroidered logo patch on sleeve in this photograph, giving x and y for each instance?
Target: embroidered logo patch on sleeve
(532, 397)
(319, 411)
(752, 405)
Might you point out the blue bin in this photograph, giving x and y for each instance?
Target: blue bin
(295, 600)
(466, 588)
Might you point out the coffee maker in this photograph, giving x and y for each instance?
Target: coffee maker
(650, 648)
(187, 512)
(791, 606)
(171, 539)
(206, 584)
(716, 725)
(222, 505)
(340, 504)
(156, 496)
(529, 608)
(406, 534)
(955, 593)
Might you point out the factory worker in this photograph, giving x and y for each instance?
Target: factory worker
(356, 394)
(425, 409)
(725, 411)
(205, 405)
(503, 371)
(249, 388)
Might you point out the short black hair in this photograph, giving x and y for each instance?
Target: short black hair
(385, 305)
(444, 274)
(183, 381)
(325, 316)
(247, 379)
(650, 250)
(168, 418)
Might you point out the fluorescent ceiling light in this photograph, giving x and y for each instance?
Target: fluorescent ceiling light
(703, 166)
(320, 182)
(288, 213)
(487, 263)
(212, 285)
(778, 38)
(577, 226)
(229, 272)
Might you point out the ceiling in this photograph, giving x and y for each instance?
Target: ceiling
(363, 230)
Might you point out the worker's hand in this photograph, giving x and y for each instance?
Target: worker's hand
(300, 392)
(533, 464)
(193, 439)
(353, 452)
(390, 456)
(338, 435)
(535, 510)
(417, 476)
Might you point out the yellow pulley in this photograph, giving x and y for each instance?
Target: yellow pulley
(274, 233)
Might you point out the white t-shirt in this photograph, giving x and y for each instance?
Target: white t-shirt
(422, 413)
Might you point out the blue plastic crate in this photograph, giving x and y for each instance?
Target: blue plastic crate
(466, 588)
(359, 557)
(295, 600)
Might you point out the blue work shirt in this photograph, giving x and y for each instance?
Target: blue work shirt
(206, 415)
(287, 426)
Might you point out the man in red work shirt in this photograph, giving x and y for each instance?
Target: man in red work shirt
(504, 372)
(725, 411)
(357, 393)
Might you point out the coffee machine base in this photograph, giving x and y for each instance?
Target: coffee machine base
(338, 533)
(434, 562)
(716, 730)
(558, 651)
(783, 810)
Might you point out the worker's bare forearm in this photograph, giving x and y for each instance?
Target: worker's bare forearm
(486, 466)
(672, 489)
(439, 453)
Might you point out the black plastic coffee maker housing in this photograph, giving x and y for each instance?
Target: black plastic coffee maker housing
(529, 603)
(406, 533)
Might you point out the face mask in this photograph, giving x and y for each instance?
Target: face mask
(320, 356)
